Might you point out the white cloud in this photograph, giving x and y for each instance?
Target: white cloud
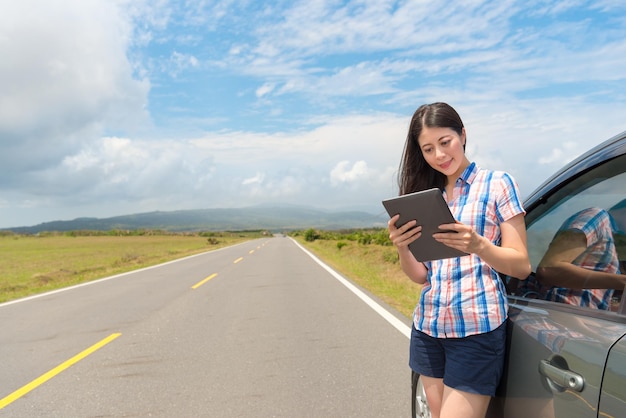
(329, 139)
(180, 62)
(258, 179)
(264, 90)
(321, 27)
(278, 189)
(566, 152)
(65, 76)
(343, 173)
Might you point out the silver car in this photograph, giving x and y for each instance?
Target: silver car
(566, 349)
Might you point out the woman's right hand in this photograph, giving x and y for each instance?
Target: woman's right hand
(401, 238)
(406, 234)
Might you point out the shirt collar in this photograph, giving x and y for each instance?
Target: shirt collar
(469, 174)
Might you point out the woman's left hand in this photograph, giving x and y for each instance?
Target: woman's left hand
(464, 238)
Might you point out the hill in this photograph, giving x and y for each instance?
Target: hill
(235, 219)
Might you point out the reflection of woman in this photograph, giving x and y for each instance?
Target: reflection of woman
(581, 266)
(458, 337)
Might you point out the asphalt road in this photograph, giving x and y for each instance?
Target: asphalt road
(258, 329)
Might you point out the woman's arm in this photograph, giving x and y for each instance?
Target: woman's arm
(401, 238)
(556, 268)
(510, 258)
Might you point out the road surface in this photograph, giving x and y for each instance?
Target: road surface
(260, 329)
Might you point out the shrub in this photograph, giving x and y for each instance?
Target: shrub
(311, 235)
(382, 238)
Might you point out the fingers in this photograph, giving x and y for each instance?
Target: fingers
(463, 238)
(405, 234)
(391, 224)
(404, 239)
(453, 227)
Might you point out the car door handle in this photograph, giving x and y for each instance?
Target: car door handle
(561, 377)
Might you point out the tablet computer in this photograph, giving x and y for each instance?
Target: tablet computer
(430, 210)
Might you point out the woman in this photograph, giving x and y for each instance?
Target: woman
(459, 325)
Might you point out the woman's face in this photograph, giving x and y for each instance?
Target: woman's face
(443, 150)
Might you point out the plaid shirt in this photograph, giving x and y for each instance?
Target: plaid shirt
(464, 296)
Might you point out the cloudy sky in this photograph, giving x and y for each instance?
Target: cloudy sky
(112, 107)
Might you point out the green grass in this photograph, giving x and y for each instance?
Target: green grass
(374, 267)
(35, 264)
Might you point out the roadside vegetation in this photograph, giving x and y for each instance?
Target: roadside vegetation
(368, 258)
(31, 264)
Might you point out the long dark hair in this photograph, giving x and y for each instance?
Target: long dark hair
(414, 173)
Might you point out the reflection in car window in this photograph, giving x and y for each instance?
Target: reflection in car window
(581, 266)
(577, 241)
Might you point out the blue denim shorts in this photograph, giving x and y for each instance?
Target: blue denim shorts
(471, 364)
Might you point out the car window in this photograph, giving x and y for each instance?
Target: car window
(577, 241)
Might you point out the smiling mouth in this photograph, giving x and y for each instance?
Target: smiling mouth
(446, 164)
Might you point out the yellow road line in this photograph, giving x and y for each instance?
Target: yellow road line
(237, 260)
(250, 252)
(49, 375)
(200, 283)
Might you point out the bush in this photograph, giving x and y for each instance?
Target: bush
(341, 244)
(311, 235)
(382, 238)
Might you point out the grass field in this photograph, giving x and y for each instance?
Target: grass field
(35, 264)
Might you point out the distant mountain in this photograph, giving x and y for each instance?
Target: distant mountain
(235, 219)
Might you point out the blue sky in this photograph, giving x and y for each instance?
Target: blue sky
(112, 107)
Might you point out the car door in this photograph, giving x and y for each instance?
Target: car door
(613, 395)
(567, 356)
